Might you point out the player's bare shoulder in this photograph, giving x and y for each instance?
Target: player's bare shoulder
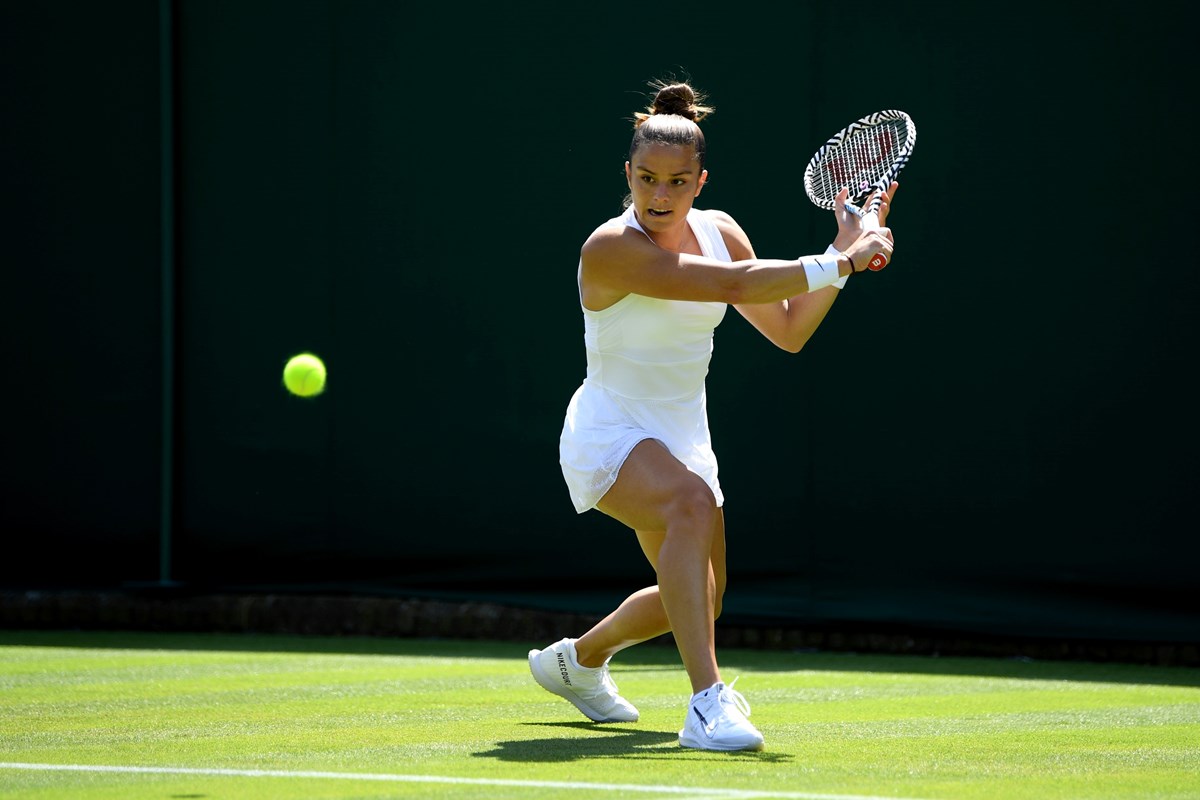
(612, 241)
(606, 259)
(603, 236)
(735, 238)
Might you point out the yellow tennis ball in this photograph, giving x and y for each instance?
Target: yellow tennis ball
(304, 375)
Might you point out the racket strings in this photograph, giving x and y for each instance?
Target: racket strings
(860, 161)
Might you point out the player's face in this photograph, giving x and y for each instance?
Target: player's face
(664, 180)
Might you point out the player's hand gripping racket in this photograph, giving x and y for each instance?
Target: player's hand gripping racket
(865, 156)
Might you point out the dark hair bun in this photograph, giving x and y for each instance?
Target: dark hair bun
(676, 98)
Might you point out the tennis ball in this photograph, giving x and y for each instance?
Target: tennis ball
(304, 375)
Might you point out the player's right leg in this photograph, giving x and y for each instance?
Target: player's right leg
(656, 492)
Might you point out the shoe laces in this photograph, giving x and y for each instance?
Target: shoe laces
(731, 696)
(606, 680)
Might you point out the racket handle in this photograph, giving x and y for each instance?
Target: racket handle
(870, 222)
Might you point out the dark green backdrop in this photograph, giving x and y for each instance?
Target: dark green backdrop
(995, 434)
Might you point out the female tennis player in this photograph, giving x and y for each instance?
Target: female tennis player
(654, 283)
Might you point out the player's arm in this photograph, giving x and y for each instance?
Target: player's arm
(787, 323)
(616, 261)
(790, 323)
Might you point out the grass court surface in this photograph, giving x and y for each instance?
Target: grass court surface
(124, 716)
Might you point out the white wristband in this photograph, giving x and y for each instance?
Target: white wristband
(821, 271)
(833, 251)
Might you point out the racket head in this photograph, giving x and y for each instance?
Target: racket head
(865, 156)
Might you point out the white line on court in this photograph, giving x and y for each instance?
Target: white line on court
(695, 792)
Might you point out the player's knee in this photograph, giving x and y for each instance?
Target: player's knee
(693, 505)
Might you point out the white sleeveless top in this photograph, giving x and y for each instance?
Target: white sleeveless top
(646, 364)
(644, 348)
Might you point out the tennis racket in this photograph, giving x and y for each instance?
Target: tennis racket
(865, 156)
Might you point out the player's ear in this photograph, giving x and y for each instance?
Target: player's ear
(700, 183)
(628, 175)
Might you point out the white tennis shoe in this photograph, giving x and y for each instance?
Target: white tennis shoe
(717, 720)
(591, 689)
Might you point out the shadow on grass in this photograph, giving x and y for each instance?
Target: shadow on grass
(651, 656)
(610, 741)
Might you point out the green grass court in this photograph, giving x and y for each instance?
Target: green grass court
(116, 716)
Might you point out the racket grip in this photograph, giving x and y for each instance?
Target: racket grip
(870, 222)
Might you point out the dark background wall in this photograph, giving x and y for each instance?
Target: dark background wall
(994, 434)
(79, 303)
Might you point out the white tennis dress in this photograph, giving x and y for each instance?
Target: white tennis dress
(646, 363)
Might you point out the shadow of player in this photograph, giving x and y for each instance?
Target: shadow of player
(610, 741)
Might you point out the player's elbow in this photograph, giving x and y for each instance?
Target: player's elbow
(791, 342)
